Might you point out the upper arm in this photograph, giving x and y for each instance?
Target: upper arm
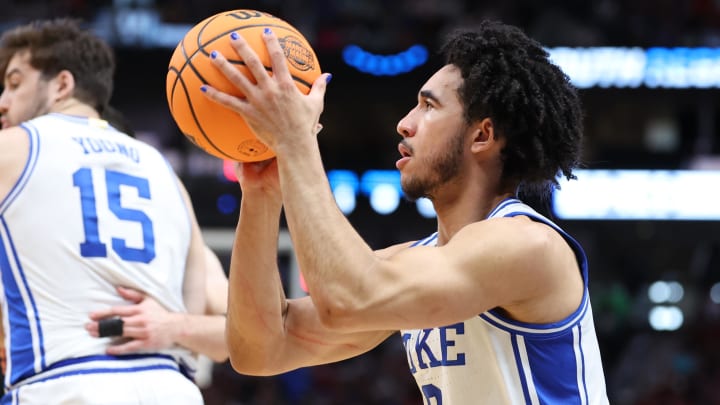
(194, 291)
(14, 152)
(504, 262)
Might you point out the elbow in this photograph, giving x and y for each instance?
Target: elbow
(253, 365)
(336, 314)
(253, 359)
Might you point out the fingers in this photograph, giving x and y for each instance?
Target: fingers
(277, 56)
(226, 100)
(130, 294)
(249, 58)
(131, 346)
(92, 328)
(133, 327)
(320, 85)
(122, 311)
(231, 72)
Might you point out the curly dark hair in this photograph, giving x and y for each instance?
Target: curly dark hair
(507, 77)
(60, 44)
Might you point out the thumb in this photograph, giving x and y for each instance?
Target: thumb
(130, 294)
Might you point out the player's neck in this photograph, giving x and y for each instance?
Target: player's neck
(73, 106)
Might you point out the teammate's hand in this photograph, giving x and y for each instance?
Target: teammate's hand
(147, 325)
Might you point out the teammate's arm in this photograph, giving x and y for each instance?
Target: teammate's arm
(151, 326)
(194, 291)
(206, 333)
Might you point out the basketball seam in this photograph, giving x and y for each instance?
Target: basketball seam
(192, 111)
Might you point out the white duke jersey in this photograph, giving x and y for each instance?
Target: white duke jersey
(93, 209)
(490, 359)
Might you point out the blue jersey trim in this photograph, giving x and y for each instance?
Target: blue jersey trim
(425, 241)
(167, 362)
(553, 329)
(504, 203)
(555, 382)
(582, 364)
(106, 357)
(21, 330)
(106, 370)
(10, 398)
(183, 368)
(521, 370)
(27, 170)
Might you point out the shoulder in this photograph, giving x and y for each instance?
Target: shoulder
(13, 141)
(512, 228)
(392, 250)
(520, 243)
(14, 152)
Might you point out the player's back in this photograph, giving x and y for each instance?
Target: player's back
(92, 210)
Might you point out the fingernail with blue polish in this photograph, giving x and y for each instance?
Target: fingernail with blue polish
(233, 36)
(213, 54)
(328, 78)
(267, 31)
(203, 88)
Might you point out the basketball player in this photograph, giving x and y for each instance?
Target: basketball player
(493, 308)
(85, 208)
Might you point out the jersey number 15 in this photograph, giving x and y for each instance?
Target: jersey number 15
(92, 246)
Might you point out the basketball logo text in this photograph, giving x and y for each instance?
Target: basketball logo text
(248, 14)
(299, 56)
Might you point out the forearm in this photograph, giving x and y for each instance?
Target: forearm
(256, 298)
(204, 334)
(332, 256)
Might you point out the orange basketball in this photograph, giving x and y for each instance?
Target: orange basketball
(213, 128)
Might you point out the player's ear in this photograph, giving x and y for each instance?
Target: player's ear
(63, 85)
(483, 133)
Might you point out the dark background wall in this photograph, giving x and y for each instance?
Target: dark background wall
(643, 366)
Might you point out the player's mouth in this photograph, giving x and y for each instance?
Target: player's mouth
(406, 153)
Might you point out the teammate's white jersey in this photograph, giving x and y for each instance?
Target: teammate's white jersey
(490, 359)
(92, 210)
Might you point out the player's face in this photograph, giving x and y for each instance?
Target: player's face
(25, 92)
(434, 136)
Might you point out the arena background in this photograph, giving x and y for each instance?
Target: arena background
(653, 254)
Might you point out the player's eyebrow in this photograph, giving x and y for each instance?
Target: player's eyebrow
(428, 94)
(11, 72)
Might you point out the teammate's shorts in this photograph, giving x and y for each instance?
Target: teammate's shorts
(142, 380)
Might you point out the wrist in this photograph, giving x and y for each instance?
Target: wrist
(295, 146)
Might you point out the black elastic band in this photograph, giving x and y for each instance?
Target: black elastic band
(110, 327)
